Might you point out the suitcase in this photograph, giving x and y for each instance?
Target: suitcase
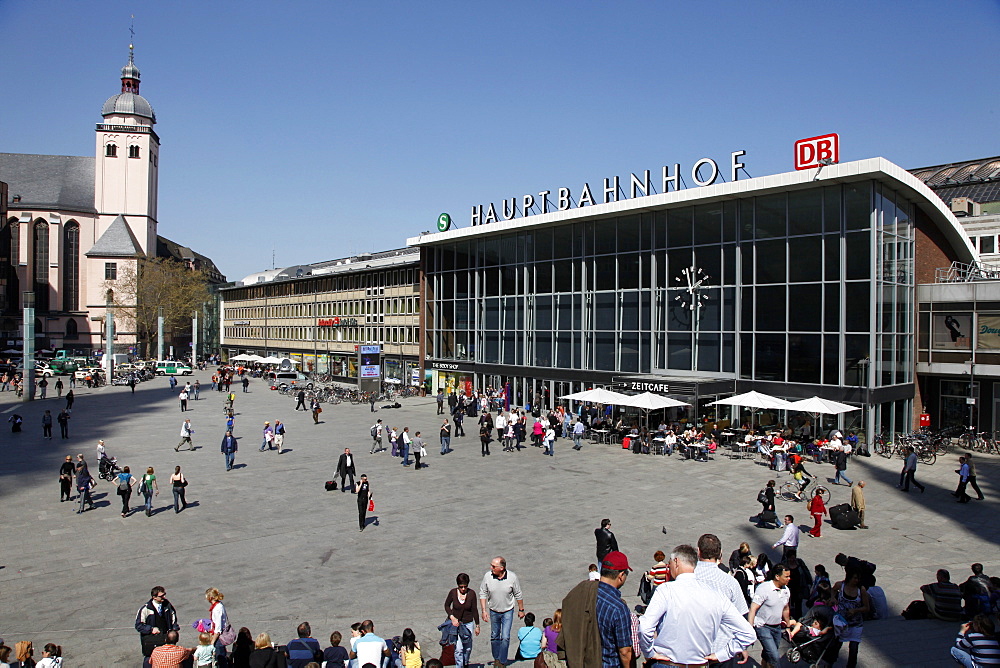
(331, 485)
(842, 517)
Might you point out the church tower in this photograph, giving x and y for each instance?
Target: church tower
(127, 162)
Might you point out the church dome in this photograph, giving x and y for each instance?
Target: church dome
(129, 103)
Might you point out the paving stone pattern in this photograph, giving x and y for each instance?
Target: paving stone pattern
(284, 550)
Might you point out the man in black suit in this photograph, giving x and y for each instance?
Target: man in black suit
(606, 541)
(345, 469)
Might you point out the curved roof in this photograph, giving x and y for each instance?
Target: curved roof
(129, 103)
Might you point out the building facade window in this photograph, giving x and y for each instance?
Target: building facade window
(110, 271)
(111, 151)
(41, 261)
(72, 332)
(71, 267)
(133, 151)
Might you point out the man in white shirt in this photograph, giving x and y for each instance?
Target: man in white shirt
(186, 431)
(501, 425)
(768, 609)
(369, 648)
(686, 621)
(789, 541)
(711, 575)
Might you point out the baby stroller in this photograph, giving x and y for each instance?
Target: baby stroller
(108, 468)
(806, 646)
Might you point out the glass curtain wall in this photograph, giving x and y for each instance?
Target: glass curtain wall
(785, 283)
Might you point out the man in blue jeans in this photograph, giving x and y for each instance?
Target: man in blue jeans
(229, 448)
(768, 609)
(498, 593)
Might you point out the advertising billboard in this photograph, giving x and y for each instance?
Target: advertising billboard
(370, 368)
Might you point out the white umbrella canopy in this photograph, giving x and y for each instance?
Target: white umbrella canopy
(820, 405)
(752, 399)
(598, 396)
(651, 402)
(289, 360)
(270, 360)
(242, 358)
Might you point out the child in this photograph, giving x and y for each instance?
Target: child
(593, 573)
(814, 630)
(529, 639)
(409, 650)
(335, 656)
(355, 634)
(204, 653)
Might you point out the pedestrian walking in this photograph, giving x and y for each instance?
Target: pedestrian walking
(70, 398)
(47, 425)
(458, 418)
(972, 475)
(484, 439)
(463, 613)
(316, 409)
(909, 472)
(346, 469)
(858, 503)
(246, 384)
(789, 541)
(84, 482)
(279, 435)
(440, 401)
(177, 484)
(377, 431)
(66, 471)
(186, 431)
(445, 437)
(59, 387)
(300, 400)
(268, 437)
(63, 420)
(606, 540)
(125, 481)
(841, 465)
(197, 389)
(183, 396)
(366, 500)
(405, 444)
(963, 481)
(418, 450)
(371, 400)
(229, 449)
(817, 509)
(173, 383)
(498, 592)
(148, 487)
(72, 381)
(43, 385)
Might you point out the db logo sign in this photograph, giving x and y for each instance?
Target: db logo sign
(816, 151)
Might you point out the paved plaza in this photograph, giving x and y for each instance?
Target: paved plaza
(284, 550)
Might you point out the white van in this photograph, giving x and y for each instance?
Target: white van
(279, 378)
(169, 368)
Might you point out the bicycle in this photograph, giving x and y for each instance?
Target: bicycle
(790, 490)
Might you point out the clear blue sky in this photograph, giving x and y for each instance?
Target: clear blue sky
(325, 129)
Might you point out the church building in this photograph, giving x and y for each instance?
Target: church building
(77, 224)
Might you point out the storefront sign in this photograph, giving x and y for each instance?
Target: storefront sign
(988, 332)
(451, 366)
(705, 172)
(951, 331)
(337, 322)
(639, 386)
(238, 323)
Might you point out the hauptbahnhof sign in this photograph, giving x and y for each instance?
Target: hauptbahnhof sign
(704, 172)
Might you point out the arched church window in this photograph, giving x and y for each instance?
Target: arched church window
(71, 330)
(133, 151)
(41, 259)
(71, 267)
(111, 151)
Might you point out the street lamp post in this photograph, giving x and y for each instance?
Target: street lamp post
(28, 301)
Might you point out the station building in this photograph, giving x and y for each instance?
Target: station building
(318, 314)
(795, 285)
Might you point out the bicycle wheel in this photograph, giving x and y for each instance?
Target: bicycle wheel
(927, 457)
(882, 449)
(789, 491)
(823, 492)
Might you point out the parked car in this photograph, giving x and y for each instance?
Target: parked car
(279, 378)
(92, 371)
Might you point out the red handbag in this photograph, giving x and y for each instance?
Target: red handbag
(371, 505)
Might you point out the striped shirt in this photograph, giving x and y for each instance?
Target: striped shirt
(985, 651)
(708, 573)
(614, 624)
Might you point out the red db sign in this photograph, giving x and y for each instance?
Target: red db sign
(816, 151)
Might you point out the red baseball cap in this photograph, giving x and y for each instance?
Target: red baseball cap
(615, 561)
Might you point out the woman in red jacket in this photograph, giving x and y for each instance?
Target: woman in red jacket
(817, 509)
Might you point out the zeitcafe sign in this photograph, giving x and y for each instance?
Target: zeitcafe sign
(704, 172)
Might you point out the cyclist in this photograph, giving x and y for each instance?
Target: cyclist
(802, 477)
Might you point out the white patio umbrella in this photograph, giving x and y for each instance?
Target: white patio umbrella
(270, 360)
(651, 402)
(817, 405)
(255, 358)
(752, 400)
(820, 405)
(289, 360)
(598, 395)
(242, 358)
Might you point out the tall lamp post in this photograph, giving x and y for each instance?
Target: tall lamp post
(28, 301)
(863, 365)
(971, 401)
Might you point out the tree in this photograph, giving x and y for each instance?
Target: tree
(141, 289)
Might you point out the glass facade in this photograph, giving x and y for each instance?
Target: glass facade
(812, 286)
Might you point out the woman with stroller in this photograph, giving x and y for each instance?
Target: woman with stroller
(852, 603)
